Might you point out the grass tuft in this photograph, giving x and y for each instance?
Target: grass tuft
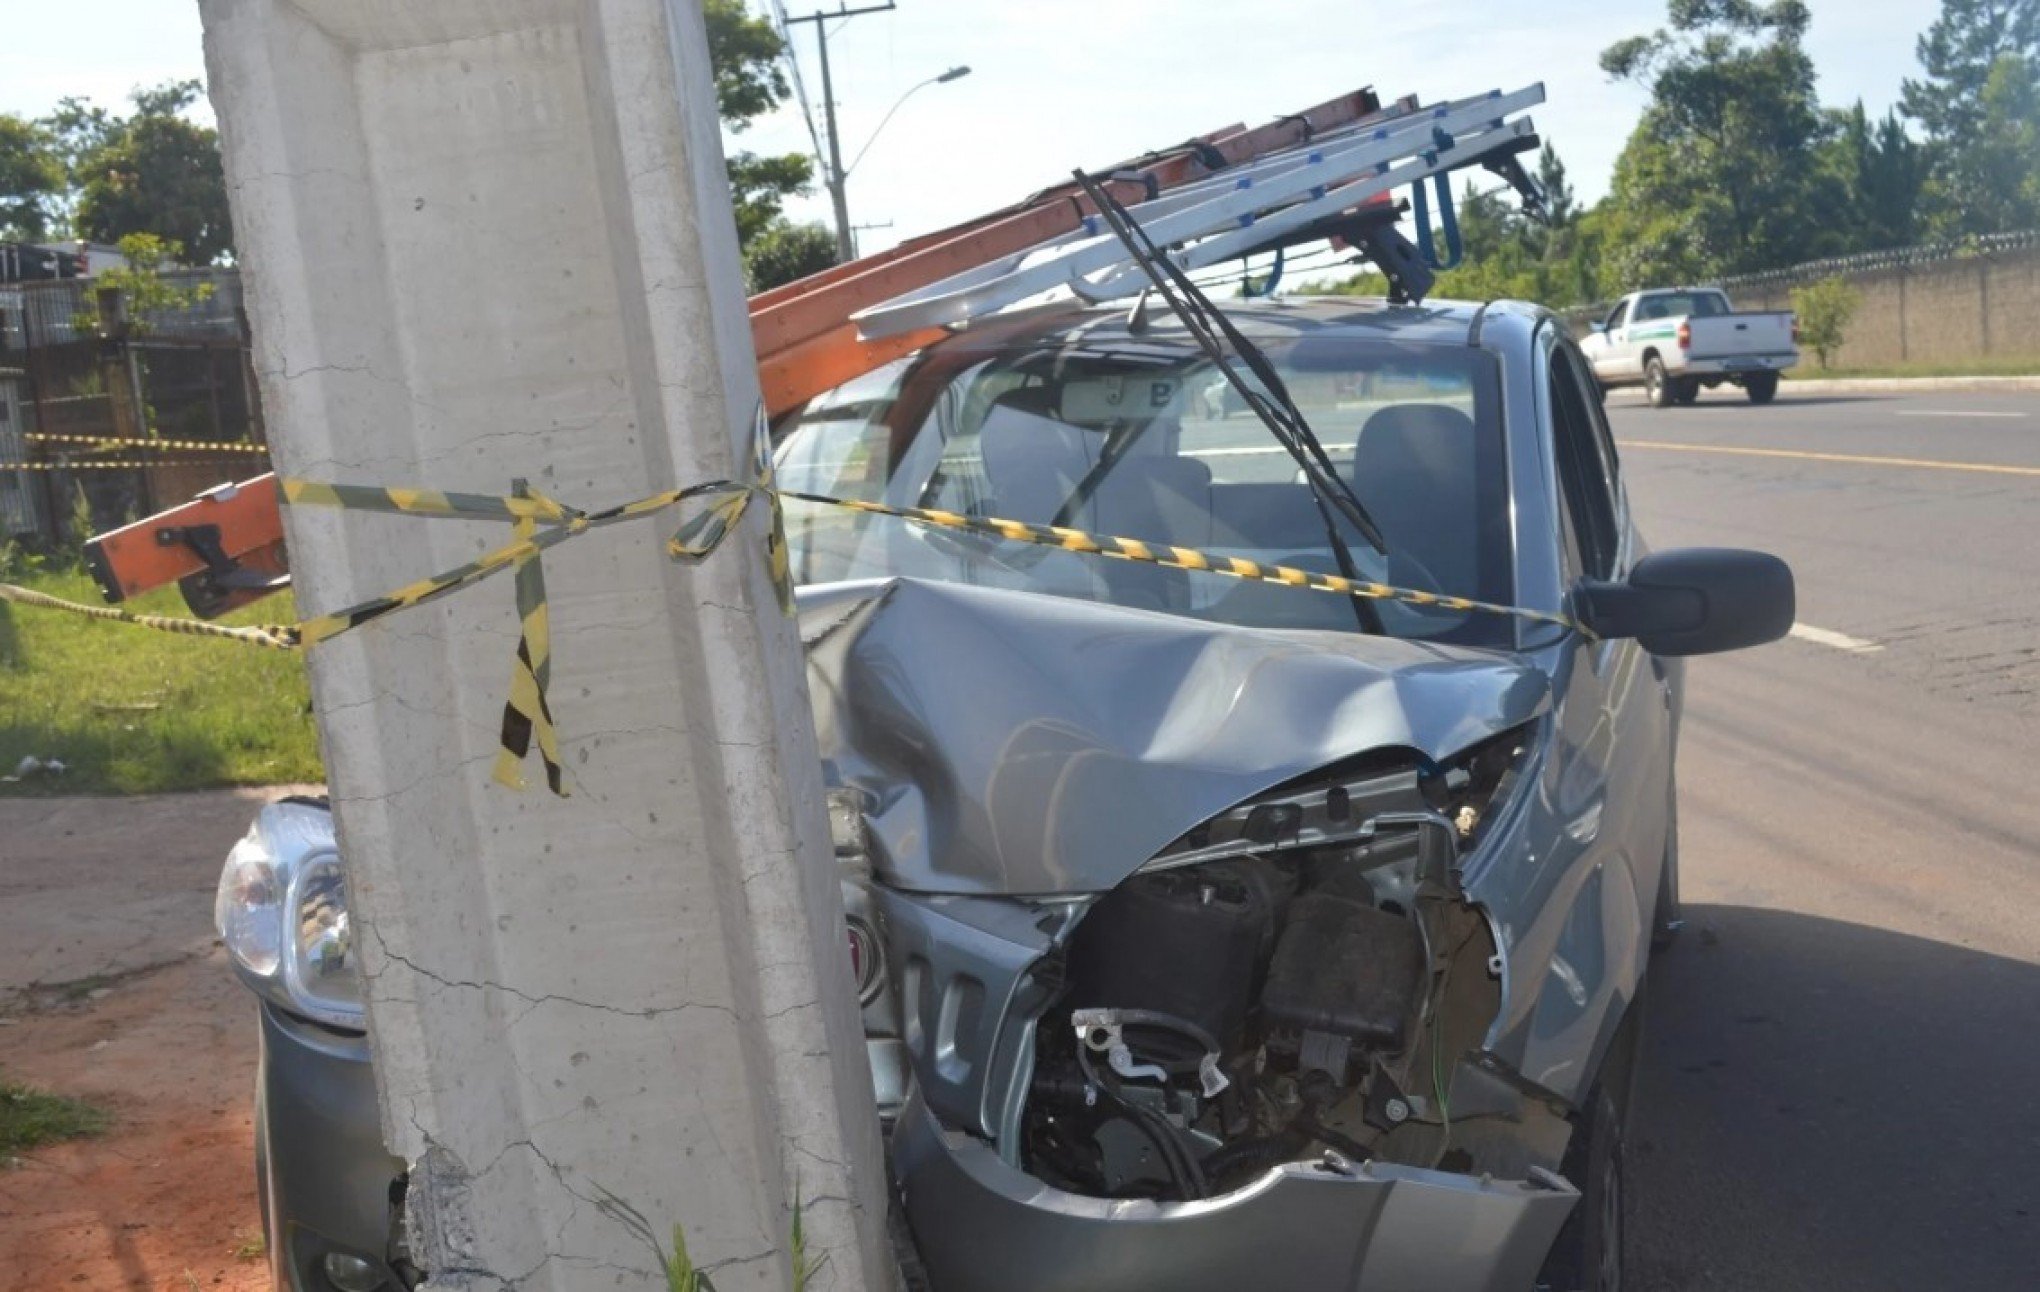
(31, 1118)
(130, 711)
(2003, 367)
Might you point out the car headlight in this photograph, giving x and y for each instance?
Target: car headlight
(853, 863)
(282, 913)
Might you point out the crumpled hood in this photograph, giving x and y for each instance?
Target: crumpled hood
(1016, 743)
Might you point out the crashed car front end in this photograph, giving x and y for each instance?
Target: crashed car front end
(1188, 968)
(1210, 933)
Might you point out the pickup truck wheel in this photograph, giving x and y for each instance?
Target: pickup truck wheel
(1762, 387)
(1657, 386)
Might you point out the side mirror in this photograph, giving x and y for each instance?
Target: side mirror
(1694, 601)
(1597, 328)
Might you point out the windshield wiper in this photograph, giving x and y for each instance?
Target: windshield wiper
(1207, 324)
(1271, 402)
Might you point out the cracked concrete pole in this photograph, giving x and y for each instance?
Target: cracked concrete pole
(489, 239)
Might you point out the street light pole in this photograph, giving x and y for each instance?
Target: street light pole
(846, 247)
(953, 74)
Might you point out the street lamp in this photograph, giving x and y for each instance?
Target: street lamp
(838, 174)
(953, 74)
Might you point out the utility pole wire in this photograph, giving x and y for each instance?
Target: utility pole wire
(846, 242)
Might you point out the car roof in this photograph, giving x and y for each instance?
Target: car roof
(1433, 322)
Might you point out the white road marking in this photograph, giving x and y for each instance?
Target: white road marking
(1952, 412)
(1840, 641)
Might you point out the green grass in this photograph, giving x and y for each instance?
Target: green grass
(1808, 370)
(30, 1118)
(130, 711)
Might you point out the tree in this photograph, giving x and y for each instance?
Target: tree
(141, 283)
(744, 51)
(2002, 167)
(759, 187)
(1976, 105)
(31, 179)
(158, 172)
(787, 251)
(1721, 174)
(1958, 54)
(1561, 207)
(155, 172)
(1824, 310)
(749, 82)
(1885, 171)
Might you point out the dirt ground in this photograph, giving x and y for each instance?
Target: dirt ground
(113, 989)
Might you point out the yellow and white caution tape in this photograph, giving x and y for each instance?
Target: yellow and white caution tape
(1183, 558)
(102, 466)
(96, 443)
(539, 523)
(274, 636)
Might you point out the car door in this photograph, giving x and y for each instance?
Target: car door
(1612, 360)
(1607, 781)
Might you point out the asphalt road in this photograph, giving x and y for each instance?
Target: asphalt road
(1842, 1076)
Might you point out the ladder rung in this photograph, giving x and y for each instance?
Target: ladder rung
(1218, 216)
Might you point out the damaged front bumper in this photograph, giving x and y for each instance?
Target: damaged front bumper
(1367, 1227)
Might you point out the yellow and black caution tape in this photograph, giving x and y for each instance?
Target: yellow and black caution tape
(539, 522)
(102, 466)
(1183, 558)
(99, 442)
(274, 636)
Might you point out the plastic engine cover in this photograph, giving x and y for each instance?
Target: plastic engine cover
(1345, 967)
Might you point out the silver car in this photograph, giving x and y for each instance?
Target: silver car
(1211, 933)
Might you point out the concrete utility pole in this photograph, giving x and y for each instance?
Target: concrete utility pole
(846, 239)
(487, 239)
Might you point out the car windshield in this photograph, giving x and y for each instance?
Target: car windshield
(1146, 440)
(1665, 305)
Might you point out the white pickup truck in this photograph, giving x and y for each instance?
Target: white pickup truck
(1673, 342)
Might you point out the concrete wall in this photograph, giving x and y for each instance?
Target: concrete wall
(1943, 312)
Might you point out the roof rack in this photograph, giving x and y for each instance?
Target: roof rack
(1326, 172)
(1290, 195)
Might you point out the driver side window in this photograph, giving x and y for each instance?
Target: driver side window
(1586, 467)
(1619, 317)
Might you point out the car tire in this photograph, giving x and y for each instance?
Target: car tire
(1761, 387)
(1686, 391)
(1665, 920)
(1657, 386)
(1590, 1253)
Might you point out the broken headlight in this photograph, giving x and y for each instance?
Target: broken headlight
(853, 864)
(281, 910)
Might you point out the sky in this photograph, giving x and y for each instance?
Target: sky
(1057, 84)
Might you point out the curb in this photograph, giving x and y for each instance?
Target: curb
(1886, 386)
(1901, 385)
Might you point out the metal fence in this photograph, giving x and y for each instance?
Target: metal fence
(1869, 262)
(178, 373)
(66, 310)
(1950, 330)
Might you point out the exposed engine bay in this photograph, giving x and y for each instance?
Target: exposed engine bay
(1292, 978)
(1196, 941)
